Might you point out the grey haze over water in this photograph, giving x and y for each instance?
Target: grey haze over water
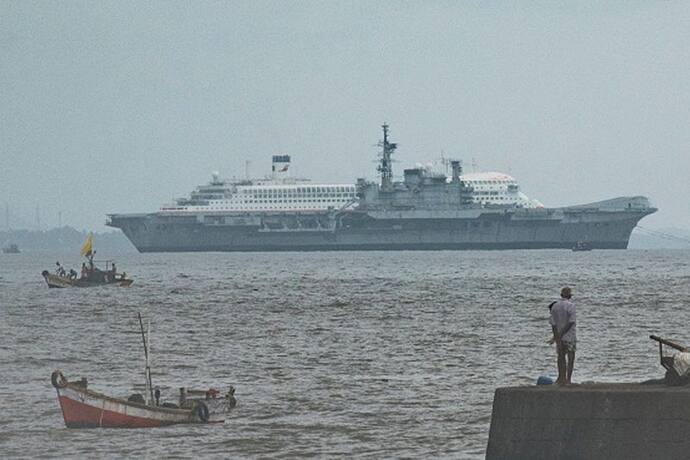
(120, 106)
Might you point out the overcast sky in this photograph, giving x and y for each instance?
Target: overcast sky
(120, 106)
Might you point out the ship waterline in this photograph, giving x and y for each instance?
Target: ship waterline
(425, 211)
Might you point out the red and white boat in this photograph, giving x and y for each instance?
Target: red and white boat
(84, 408)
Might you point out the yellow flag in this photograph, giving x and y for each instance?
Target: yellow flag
(87, 246)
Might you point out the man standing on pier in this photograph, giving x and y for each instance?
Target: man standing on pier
(563, 325)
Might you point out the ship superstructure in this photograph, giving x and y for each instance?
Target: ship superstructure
(495, 188)
(426, 210)
(277, 193)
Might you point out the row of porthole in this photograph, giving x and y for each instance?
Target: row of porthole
(289, 201)
(487, 182)
(299, 191)
(265, 206)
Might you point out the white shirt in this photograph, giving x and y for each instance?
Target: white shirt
(562, 313)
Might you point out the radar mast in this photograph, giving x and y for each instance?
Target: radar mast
(386, 166)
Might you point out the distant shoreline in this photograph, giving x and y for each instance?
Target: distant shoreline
(65, 238)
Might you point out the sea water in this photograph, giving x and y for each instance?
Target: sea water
(338, 354)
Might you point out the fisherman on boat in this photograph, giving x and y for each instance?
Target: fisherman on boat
(90, 274)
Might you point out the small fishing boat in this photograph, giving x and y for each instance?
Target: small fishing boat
(91, 275)
(96, 278)
(582, 246)
(84, 408)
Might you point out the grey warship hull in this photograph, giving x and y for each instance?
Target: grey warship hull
(603, 225)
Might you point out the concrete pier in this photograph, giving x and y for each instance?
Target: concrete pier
(590, 421)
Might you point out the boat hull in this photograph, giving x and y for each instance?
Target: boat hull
(82, 408)
(605, 225)
(56, 281)
(83, 412)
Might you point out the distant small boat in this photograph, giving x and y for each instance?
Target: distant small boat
(11, 249)
(582, 246)
(84, 408)
(97, 278)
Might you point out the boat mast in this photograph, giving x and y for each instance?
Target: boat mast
(147, 373)
(386, 166)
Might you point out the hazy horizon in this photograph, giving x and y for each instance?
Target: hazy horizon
(121, 106)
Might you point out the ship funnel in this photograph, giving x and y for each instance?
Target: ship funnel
(457, 170)
(280, 167)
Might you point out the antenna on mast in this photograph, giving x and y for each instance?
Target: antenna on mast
(386, 166)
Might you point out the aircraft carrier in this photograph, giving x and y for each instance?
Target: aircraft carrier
(427, 210)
